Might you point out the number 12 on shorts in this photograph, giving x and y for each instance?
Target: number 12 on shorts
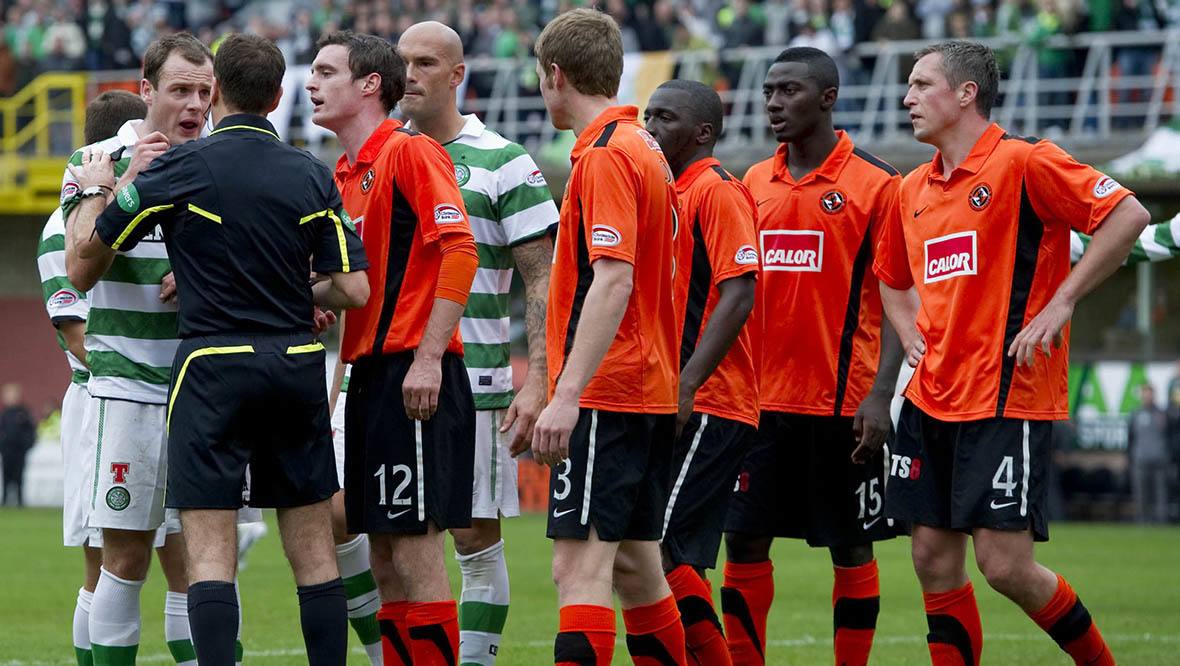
(396, 472)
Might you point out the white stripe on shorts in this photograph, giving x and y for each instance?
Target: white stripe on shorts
(692, 449)
(589, 466)
(1024, 483)
(421, 481)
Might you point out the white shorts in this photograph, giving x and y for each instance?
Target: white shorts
(129, 441)
(338, 435)
(495, 492)
(77, 469)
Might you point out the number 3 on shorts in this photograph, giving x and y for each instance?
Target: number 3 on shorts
(563, 478)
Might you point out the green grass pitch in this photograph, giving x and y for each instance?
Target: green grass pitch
(1126, 575)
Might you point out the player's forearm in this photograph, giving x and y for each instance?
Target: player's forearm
(337, 382)
(1108, 249)
(74, 333)
(602, 312)
(889, 363)
(734, 302)
(901, 308)
(341, 291)
(532, 262)
(444, 319)
(1157, 242)
(87, 257)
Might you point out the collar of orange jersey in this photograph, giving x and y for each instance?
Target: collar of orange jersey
(625, 112)
(975, 159)
(372, 148)
(831, 168)
(690, 174)
(247, 122)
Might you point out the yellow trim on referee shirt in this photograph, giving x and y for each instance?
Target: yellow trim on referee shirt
(307, 348)
(197, 353)
(330, 214)
(234, 127)
(194, 208)
(135, 222)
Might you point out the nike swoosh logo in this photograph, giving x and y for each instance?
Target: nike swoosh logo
(919, 211)
(1002, 506)
(759, 204)
(872, 522)
(559, 514)
(391, 515)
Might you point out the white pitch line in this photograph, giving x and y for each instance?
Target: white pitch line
(800, 642)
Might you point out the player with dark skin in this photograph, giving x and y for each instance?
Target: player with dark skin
(686, 138)
(800, 114)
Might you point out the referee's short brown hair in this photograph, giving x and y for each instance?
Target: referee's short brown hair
(106, 113)
(249, 72)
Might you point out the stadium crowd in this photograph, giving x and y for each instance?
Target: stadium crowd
(48, 35)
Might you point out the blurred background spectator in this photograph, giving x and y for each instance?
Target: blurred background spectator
(1151, 464)
(18, 434)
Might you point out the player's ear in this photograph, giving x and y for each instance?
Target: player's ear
(967, 94)
(214, 94)
(705, 134)
(828, 98)
(457, 74)
(372, 84)
(275, 102)
(146, 90)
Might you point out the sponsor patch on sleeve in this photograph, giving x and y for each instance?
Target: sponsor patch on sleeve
(602, 235)
(447, 214)
(746, 256)
(62, 298)
(69, 191)
(128, 198)
(1106, 186)
(535, 179)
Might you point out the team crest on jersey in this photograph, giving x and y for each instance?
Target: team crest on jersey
(950, 256)
(447, 214)
(833, 201)
(128, 198)
(367, 180)
(746, 256)
(1106, 186)
(535, 179)
(980, 197)
(792, 251)
(118, 498)
(462, 174)
(603, 235)
(62, 298)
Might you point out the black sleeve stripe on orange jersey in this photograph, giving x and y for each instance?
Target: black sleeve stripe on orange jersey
(722, 173)
(876, 161)
(1016, 137)
(1029, 230)
(607, 133)
(401, 238)
(407, 131)
(585, 277)
(851, 318)
(700, 282)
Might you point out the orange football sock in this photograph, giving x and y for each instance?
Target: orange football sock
(956, 635)
(746, 595)
(433, 628)
(585, 636)
(856, 599)
(1066, 619)
(704, 642)
(655, 636)
(391, 619)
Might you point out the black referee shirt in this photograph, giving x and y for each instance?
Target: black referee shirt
(242, 213)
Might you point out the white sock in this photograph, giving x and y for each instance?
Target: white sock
(483, 604)
(176, 629)
(114, 620)
(352, 558)
(82, 625)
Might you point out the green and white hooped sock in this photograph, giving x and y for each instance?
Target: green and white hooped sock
(352, 558)
(82, 628)
(483, 604)
(114, 620)
(176, 630)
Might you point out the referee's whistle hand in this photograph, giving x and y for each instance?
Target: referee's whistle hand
(420, 388)
(323, 320)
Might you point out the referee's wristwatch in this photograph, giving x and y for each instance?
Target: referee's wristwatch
(96, 191)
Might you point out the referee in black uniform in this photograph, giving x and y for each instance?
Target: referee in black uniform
(244, 218)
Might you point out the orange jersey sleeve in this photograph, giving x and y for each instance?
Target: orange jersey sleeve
(891, 263)
(434, 194)
(609, 201)
(1065, 190)
(727, 214)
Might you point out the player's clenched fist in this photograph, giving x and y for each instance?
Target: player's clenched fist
(420, 388)
(551, 438)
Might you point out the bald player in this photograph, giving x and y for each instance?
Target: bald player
(510, 208)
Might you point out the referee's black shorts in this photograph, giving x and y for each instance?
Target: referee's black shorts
(259, 400)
